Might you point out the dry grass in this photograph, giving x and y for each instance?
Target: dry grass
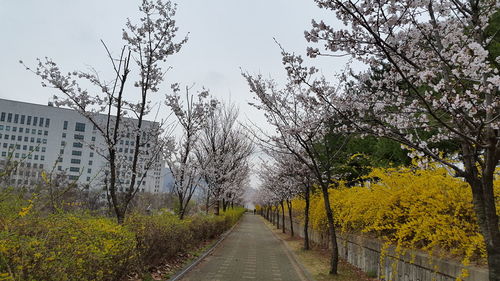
(316, 260)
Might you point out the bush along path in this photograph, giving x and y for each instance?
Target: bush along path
(80, 247)
(250, 252)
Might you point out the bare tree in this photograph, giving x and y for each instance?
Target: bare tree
(147, 46)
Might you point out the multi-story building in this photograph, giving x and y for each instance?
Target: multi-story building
(61, 140)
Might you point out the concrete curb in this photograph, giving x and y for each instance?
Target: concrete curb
(305, 273)
(189, 267)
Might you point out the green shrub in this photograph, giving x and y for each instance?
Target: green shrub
(159, 236)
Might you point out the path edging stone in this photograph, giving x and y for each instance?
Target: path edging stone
(190, 266)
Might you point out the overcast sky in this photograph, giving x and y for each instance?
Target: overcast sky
(224, 37)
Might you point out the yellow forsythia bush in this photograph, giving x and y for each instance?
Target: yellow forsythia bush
(76, 247)
(426, 209)
(66, 247)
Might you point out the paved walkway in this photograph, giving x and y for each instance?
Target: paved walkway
(250, 252)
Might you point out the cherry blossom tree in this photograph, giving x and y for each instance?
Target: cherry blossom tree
(303, 129)
(113, 112)
(192, 114)
(433, 77)
(223, 153)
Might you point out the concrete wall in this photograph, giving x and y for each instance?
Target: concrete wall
(364, 253)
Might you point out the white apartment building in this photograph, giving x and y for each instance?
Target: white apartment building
(57, 139)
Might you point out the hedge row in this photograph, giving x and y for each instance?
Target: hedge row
(82, 247)
(412, 208)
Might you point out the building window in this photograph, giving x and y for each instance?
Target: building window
(42, 157)
(26, 139)
(21, 130)
(43, 149)
(89, 171)
(75, 161)
(80, 127)
(91, 154)
(74, 169)
(28, 121)
(61, 151)
(45, 133)
(39, 132)
(93, 138)
(14, 129)
(59, 168)
(1, 127)
(79, 137)
(19, 138)
(47, 122)
(7, 128)
(63, 143)
(63, 135)
(77, 144)
(65, 126)
(73, 178)
(44, 141)
(9, 117)
(41, 122)
(32, 139)
(35, 120)
(76, 153)
(33, 131)
(16, 118)
(90, 162)
(36, 156)
(2, 117)
(22, 119)
(25, 147)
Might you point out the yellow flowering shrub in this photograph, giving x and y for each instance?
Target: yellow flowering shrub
(426, 209)
(66, 247)
(76, 246)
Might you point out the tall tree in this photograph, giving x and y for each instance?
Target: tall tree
(147, 46)
(433, 77)
(192, 114)
(223, 153)
(302, 129)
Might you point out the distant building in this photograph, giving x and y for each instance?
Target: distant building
(57, 139)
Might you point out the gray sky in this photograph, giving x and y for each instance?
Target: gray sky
(225, 35)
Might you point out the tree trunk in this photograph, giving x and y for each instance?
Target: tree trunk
(306, 220)
(207, 203)
(277, 217)
(289, 205)
(331, 229)
(483, 199)
(283, 216)
(182, 208)
(488, 223)
(217, 208)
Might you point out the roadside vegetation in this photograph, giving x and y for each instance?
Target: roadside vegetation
(78, 245)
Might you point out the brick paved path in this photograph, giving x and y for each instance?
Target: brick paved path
(250, 252)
